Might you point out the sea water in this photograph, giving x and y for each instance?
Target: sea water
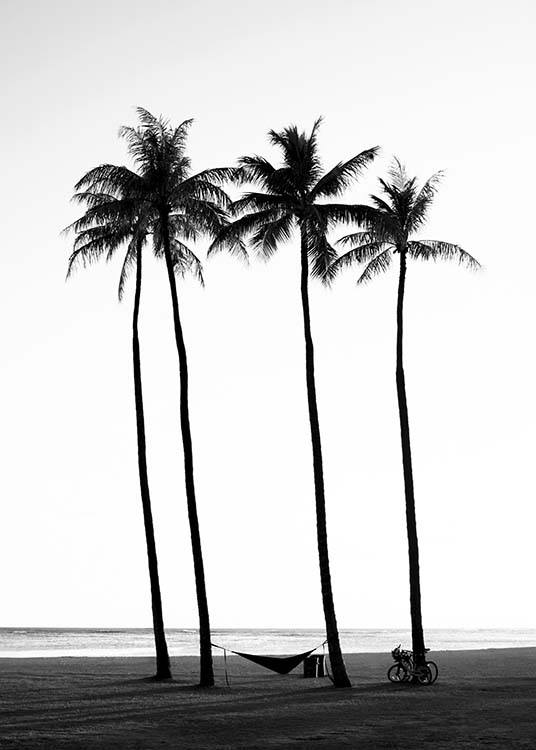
(48, 642)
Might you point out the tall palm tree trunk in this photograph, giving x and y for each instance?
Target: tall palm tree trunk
(417, 635)
(206, 666)
(338, 668)
(162, 659)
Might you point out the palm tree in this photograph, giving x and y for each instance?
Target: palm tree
(180, 205)
(109, 224)
(389, 227)
(291, 197)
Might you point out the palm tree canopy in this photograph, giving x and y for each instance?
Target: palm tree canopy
(124, 205)
(390, 223)
(296, 193)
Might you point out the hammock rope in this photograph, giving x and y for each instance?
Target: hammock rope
(225, 666)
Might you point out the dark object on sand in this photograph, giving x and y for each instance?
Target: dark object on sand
(313, 666)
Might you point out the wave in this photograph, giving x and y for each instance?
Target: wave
(123, 642)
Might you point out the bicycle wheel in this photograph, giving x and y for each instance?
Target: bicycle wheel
(434, 671)
(397, 673)
(424, 675)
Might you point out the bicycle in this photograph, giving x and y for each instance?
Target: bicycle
(404, 669)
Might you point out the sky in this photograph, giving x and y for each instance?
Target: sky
(440, 85)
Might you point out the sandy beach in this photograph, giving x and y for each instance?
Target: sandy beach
(482, 699)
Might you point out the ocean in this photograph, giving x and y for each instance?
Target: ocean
(48, 642)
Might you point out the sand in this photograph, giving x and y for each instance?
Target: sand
(483, 699)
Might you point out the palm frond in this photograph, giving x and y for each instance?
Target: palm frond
(207, 217)
(176, 169)
(201, 190)
(422, 202)
(321, 255)
(83, 256)
(182, 225)
(258, 202)
(112, 213)
(365, 252)
(398, 174)
(185, 260)
(339, 213)
(129, 263)
(155, 146)
(94, 198)
(356, 238)
(335, 182)
(252, 222)
(109, 178)
(268, 236)
(217, 175)
(379, 265)
(179, 136)
(438, 250)
(148, 120)
(300, 154)
(232, 240)
(94, 243)
(254, 170)
(101, 235)
(381, 205)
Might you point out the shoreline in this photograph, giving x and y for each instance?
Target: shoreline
(231, 655)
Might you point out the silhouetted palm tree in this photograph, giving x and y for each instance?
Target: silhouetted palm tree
(390, 224)
(111, 223)
(180, 206)
(291, 197)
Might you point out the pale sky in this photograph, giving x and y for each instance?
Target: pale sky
(441, 85)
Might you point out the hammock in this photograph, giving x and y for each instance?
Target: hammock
(279, 664)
